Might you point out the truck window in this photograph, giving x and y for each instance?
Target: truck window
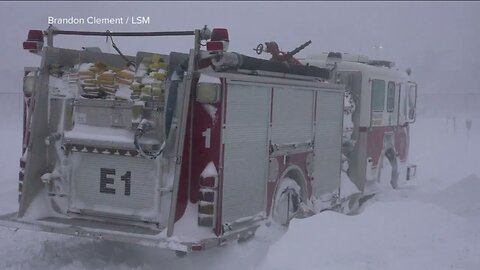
(378, 95)
(391, 97)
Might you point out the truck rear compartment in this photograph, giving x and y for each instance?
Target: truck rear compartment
(114, 186)
(98, 168)
(108, 175)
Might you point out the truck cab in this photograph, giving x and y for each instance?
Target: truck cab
(377, 125)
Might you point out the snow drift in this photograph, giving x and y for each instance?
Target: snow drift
(387, 235)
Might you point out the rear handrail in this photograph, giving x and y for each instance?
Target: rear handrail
(203, 34)
(123, 34)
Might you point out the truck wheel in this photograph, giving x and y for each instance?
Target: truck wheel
(286, 204)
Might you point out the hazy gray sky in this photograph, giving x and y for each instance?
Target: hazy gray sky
(438, 40)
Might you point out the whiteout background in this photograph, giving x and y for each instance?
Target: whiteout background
(432, 223)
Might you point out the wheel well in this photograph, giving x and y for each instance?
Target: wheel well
(295, 173)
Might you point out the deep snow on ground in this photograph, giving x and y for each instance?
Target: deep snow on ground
(445, 154)
(432, 223)
(397, 230)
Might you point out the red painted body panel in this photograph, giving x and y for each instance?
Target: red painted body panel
(195, 154)
(201, 155)
(374, 145)
(375, 136)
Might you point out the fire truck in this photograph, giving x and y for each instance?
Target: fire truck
(187, 151)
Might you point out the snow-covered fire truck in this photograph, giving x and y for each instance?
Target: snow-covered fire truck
(190, 151)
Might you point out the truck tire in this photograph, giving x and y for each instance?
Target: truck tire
(286, 202)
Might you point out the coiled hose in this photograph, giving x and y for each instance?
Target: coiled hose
(142, 128)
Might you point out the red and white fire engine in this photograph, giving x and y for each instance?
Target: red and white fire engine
(190, 151)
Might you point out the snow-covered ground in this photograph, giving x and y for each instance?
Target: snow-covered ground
(432, 223)
(404, 229)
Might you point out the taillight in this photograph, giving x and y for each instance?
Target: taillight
(219, 34)
(215, 46)
(210, 182)
(35, 35)
(30, 45)
(34, 41)
(219, 40)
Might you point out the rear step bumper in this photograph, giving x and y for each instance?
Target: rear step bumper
(97, 230)
(120, 233)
